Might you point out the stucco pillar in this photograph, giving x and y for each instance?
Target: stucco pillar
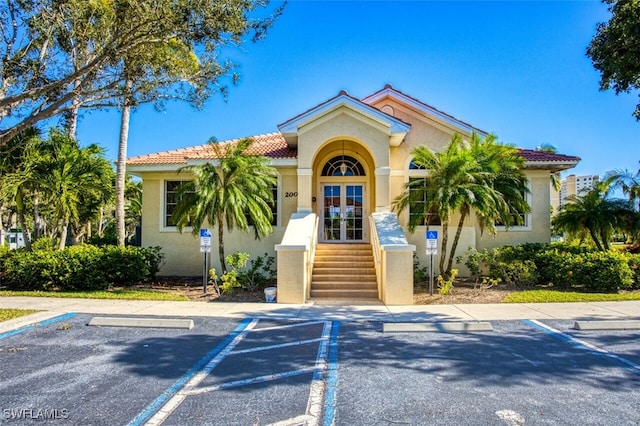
(305, 190)
(383, 202)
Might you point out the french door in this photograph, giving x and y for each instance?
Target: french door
(343, 215)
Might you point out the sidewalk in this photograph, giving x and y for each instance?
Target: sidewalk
(340, 311)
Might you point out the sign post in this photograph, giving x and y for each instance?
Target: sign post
(432, 248)
(205, 249)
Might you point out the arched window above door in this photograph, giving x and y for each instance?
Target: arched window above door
(343, 165)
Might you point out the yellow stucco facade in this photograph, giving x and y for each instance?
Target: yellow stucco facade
(376, 134)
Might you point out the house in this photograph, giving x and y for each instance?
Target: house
(340, 165)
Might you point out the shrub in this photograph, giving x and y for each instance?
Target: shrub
(593, 272)
(634, 264)
(515, 272)
(420, 274)
(259, 274)
(79, 268)
(43, 244)
(564, 266)
(446, 286)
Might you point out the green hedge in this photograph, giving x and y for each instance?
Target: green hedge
(561, 266)
(83, 267)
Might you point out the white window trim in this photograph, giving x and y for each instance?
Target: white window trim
(163, 210)
(187, 229)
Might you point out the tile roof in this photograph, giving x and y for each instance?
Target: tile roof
(546, 157)
(271, 145)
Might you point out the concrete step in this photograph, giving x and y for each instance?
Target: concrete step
(344, 285)
(344, 271)
(371, 277)
(344, 258)
(345, 294)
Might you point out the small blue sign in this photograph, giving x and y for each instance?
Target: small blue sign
(432, 235)
(204, 233)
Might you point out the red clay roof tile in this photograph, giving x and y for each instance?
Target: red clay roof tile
(271, 145)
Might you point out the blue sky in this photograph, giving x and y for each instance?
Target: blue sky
(514, 68)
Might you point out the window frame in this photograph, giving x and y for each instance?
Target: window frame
(528, 217)
(164, 227)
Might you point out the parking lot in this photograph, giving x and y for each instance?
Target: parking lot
(228, 371)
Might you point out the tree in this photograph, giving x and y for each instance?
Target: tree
(59, 56)
(75, 181)
(233, 194)
(615, 48)
(627, 181)
(479, 176)
(556, 182)
(595, 212)
(18, 175)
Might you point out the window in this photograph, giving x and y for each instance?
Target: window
(343, 163)
(171, 200)
(518, 219)
(417, 208)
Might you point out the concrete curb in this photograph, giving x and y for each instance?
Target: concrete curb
(436, 327)
(141, 322)
(607, 325)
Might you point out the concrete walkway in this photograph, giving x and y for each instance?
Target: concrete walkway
(325, 310)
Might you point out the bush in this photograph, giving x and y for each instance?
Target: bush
(79, 268)
(515, 272)
(634, 264)
(594, 272)
(564, 266)
(259, 274)
(420, 273)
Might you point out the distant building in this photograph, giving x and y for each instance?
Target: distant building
(574, 185)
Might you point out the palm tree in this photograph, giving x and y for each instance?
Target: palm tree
(627, 181)
(18, 177)
(595, 212)
(234, 194)
(479, 176)
(556, 182)
(72, 179)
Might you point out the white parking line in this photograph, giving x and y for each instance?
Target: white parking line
(316, 393)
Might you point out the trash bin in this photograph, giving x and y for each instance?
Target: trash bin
(270, 294)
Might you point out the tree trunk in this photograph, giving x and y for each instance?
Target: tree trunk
(63, 234)
(121, 167)
(100, 219)
(605, 240)
(38, 228)
(223, 265)
(443, 254)
(595, 239)
(454, 246)
(22, 220)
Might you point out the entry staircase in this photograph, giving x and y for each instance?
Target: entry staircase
(344, 271)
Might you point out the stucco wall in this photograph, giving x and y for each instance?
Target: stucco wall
(182, 250)
(538, 229)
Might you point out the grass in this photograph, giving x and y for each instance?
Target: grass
(101, 294)
(551, 296)
(7, 314)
